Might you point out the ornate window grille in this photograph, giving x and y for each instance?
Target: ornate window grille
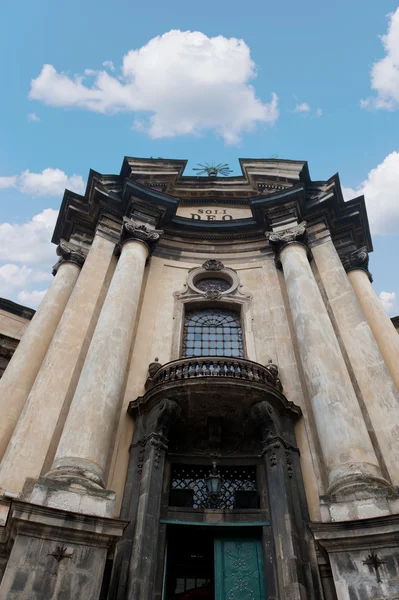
(212, 332)
(189, 487)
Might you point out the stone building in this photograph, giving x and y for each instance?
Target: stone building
(205, 404)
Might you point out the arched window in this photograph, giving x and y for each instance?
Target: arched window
(212, 332)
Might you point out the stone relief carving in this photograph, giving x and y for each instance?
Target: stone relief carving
(280, 239)
(213, 265)
(357, 259)
(154, 428)
(272, 439)
(226, 283)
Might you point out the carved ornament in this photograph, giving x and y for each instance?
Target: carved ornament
(280, 239)
(213, 265)
(69, 252)
(358, 259)
(137, 230)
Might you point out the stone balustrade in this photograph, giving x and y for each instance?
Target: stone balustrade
(210, 366)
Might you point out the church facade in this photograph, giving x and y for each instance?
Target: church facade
(206, 403)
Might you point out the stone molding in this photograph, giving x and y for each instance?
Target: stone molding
(357, 259)
(69, 252)
(134, 230)
(278, 240)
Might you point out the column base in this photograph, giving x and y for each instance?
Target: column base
(73, 496)
(77, 470)
(56, 553)
(361, 503)
(348, 478)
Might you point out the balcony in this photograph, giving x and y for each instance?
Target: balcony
(211, 380)
(215, 368)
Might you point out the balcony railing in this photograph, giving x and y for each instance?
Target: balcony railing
(218, 367)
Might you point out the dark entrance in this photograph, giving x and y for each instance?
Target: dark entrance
(204, 563)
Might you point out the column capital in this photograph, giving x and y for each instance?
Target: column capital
(69, 252)
(135, 230)
(294, 235)
(357, 259)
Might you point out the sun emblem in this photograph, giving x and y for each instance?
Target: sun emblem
(212, 170)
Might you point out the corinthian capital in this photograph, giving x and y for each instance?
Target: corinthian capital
(357, 259)
(137, 230)
(280, 239)
(69, 252)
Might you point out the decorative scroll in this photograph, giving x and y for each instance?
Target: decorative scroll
(358, 259)
(136, 230)
(69, 252)
(280, 239)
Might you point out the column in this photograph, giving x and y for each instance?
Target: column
(49, 399)
(345, 443)
(85, 442)
(385, 334)
(381, 398)
(21, 372)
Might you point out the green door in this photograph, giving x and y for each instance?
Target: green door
(239, 569)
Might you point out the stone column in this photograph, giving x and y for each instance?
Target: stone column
(21, 372)
(85, 442)
(386, 336)
(345, 443)
(49, 399)
(381, 398)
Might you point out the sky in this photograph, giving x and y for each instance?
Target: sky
(86, 83)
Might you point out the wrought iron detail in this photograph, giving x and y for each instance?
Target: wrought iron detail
(212, 332)
(212, 170)
(192, 480)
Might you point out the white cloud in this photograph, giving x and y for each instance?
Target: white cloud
(50, 182)
(108, 64)
(381, 191)
(32, 298)
(385, 72)
(319, 112)
(388, 301)
(186, 82)
(33, 117)
(29, 245)
(303, 107)
(8, 182)
(29, 242)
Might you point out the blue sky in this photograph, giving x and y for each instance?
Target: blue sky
(335, 80)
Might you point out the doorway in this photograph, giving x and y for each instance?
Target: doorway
(204, 563)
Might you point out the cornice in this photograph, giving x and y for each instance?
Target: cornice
(293, 197)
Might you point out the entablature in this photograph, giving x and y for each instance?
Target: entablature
(271, 194)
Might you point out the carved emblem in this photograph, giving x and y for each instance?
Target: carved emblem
(213, 265)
